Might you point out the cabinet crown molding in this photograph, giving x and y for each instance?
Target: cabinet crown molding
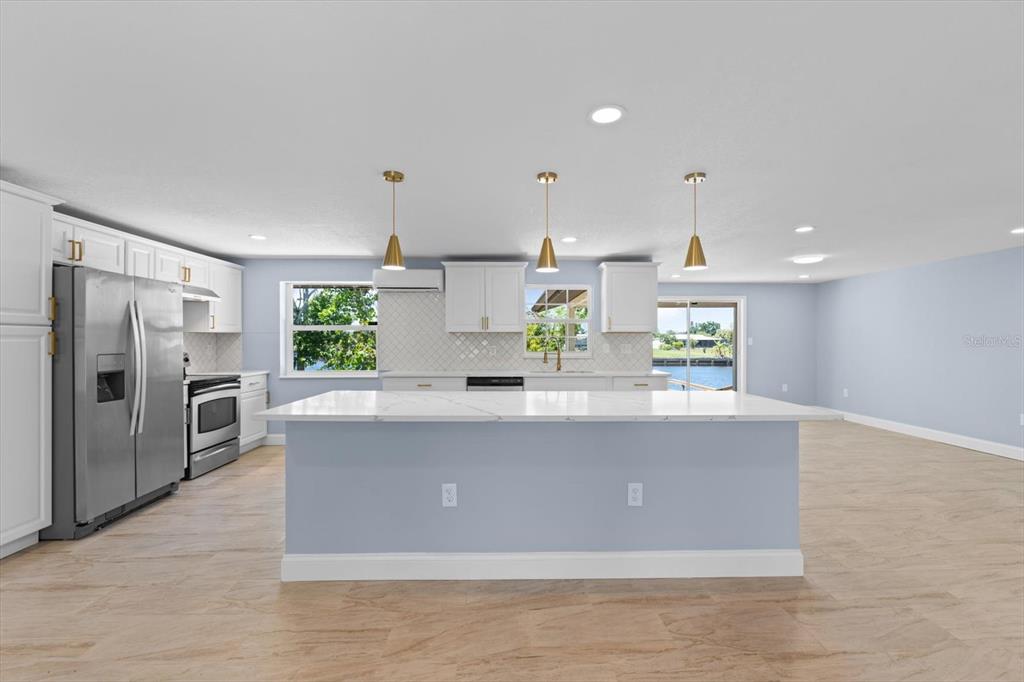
(27, 193)
(627, 264)
(485, 263)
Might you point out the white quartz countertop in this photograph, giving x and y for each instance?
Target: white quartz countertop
(243, 373)
(565, 373)
(542, 406)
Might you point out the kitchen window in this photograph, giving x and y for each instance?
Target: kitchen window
(558, 318)
(329, 328)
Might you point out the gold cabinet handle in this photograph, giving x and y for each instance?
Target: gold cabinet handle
(77, 250)
(639, 385)
(213, 321)
(483, 322)
(53, 308)
(53, 343)
(424, 385)
(72, 242)
(609, 323)
(487, 323)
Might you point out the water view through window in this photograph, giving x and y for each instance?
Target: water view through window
(696, 344)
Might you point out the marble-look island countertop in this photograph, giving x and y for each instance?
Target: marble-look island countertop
(565, 373)
(542, 406)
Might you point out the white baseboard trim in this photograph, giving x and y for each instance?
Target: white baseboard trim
(969, 442)
(274, 439)
(543, 565)
(18, 545)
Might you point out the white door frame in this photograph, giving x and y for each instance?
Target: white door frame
(739, 334)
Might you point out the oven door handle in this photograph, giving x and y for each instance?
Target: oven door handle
(209, 454)
(218, 387)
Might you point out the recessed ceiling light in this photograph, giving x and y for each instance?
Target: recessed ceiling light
(1017, 230)
(804, 276)
(609, 113)
(569, 240)
(808, 259)
(257, 237)
(804, 228)
(676, 276)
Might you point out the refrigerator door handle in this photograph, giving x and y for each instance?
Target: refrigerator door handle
(136, 368)
(145, 366)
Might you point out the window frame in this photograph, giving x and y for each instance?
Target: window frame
(589, 353)
(288, 327)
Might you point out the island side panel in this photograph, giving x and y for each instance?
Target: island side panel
(375, 487)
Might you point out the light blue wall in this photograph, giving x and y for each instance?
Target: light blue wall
(261, 322)
(780, 318)
(540, 487)
(900, 341)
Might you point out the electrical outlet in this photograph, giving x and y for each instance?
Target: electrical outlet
(635, 494)
(449, 495)
(846, 393)
(785, 388)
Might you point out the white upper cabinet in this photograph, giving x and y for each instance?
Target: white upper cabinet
(25, 254)
(88, 244)
(504, 294)
(226, 313)
(169, 265)
(62, 241)
(197, 271)
(464, 305)
(629, 297)
(484, 297)
(140, 259)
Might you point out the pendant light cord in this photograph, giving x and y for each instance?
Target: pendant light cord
(695, 209)
(547, 221)
(394, 204)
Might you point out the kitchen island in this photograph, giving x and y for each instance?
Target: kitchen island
(545, 485)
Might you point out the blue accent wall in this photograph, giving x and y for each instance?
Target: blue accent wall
(935, 345)
(780, 319)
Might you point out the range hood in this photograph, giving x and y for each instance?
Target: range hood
(408, 280)
(194, 293)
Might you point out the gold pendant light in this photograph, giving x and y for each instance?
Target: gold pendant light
(393, 259)
(546, 262)
(695, 254)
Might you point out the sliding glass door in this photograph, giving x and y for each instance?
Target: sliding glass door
(696, 344)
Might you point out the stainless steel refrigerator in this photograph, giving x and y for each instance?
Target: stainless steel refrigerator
(118, 403)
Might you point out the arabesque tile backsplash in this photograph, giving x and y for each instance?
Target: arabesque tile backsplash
(412, 338)
(214, 352)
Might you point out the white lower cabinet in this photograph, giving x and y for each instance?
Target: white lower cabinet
(650, 383)
(25, 370)
(567, 383)
(253, 400)
(425, 384)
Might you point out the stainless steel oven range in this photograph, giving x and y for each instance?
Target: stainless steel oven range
(213, 422)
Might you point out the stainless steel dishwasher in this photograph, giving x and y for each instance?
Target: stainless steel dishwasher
(494, 383)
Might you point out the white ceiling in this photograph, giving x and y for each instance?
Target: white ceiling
(894, 128)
